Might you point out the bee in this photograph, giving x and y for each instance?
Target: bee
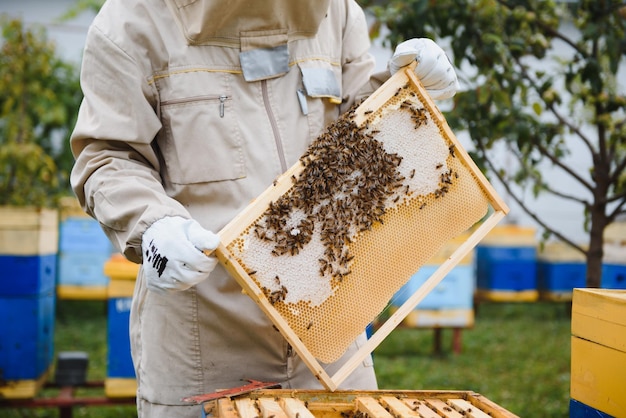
(310, 325)
(451, 149)
(412, 174)
(367, 112)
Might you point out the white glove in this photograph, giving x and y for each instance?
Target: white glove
(172, 254)
(433, 66)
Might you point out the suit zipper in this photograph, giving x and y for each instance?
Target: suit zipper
(208, 97)
(274, 125)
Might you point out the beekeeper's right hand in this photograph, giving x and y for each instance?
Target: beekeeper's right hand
(173, 257)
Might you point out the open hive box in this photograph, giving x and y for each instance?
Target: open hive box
(325, 248)
(280, 403)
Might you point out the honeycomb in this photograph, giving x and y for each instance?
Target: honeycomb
(376, 196)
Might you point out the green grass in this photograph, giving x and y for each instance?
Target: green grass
(517, 355)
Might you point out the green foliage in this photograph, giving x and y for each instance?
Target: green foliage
(39, 99)
(538, 76)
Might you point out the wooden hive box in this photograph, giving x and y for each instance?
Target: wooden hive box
(28, 230)
(281, 403)
(598, 364)
(120, 381)
(375, 197)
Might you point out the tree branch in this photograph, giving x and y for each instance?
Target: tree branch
(547, 187)
(619, 170)
(619, 209)
(533, 215)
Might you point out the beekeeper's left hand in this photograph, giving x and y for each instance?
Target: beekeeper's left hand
(434, 69)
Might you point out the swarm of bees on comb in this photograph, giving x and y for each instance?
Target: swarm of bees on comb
(351, 177)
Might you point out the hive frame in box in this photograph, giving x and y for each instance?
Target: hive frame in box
(282, 184)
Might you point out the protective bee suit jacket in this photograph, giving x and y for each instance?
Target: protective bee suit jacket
(192, 110)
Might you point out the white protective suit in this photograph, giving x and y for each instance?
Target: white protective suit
(191, 109)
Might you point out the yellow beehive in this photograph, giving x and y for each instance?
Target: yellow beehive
(598, 364)
(376, 196)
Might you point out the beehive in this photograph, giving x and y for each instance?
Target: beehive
(450, 303)
(28, 246)
(83, 250)
(560, 269)
(281, 403)
(120, 381)
(506, 265)
(324, 249)
(598, 351)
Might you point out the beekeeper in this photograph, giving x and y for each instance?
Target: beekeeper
(191, 109)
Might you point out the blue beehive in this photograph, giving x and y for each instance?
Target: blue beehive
(82, 234)
(119, 361)
(560, 269)
(28, 246)
(25, 275)
(27, 332)
(455, 290)
(450, 303)
(613, 276)
(506, 264)
(83, 250)
(580, 410)
(120, 381)
(82, 269)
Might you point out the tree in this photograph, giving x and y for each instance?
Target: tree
(81, 6)
(39, 99)
(535, 113)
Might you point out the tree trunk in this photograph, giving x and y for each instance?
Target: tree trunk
(595, 252)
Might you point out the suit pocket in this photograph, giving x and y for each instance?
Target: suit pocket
(200, 140)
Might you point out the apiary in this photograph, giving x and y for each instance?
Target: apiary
(372, 200)
(282, 403)
(598, 363)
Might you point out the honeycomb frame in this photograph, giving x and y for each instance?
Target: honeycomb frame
(314, 330)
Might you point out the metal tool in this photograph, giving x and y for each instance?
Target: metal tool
(240, 390)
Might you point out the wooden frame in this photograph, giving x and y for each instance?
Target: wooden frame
(282, 185)
(289, 403)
